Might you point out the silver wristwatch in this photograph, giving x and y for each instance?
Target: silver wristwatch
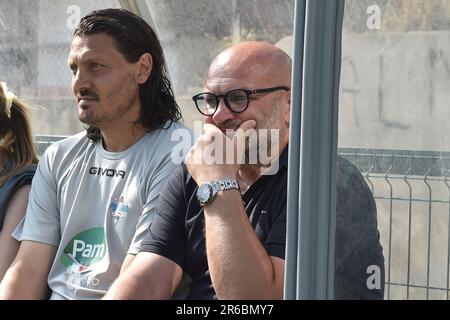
(207, 191)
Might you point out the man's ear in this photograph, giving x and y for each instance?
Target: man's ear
(145, 65)
(287, 118)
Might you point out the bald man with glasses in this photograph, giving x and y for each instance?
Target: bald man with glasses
(220, 225)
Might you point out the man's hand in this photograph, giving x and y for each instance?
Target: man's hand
(215, 156)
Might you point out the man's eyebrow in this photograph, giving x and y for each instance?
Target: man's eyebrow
(72, 61)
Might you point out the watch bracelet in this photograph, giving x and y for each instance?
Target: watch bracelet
(221, 185)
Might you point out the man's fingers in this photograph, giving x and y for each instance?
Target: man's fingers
(210, 128)
(245, 129)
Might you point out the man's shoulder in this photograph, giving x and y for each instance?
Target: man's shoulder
(342, 164)
(172, 140)
(69, 142)
(167, 132)
(353, 192)
(67, 146)
(347, 173)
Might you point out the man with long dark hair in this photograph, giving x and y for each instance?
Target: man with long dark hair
(95, 193)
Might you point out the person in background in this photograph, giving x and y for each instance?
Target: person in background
(94, 194)
(17, 166)
(220, 227)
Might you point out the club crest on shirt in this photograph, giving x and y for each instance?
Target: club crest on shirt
(118, 209)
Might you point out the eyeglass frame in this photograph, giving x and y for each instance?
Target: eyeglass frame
(227, 103)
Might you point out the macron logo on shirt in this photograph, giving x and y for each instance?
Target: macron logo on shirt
(107, 172)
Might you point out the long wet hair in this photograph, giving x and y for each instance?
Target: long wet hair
(134, 37)
(17, 149)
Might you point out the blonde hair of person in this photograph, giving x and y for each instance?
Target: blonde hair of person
(17, 149)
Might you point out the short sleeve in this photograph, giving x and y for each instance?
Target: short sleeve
(153, 190)
(166, 234)
(41, 222)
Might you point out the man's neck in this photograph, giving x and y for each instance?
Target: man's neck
(115, 140)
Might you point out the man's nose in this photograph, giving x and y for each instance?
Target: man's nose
(80, 81)
(223, 113)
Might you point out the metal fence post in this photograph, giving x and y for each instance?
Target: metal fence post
(312, 199)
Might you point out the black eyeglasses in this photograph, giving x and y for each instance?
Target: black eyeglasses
(236, 100)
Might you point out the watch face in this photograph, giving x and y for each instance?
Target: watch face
(204, 193)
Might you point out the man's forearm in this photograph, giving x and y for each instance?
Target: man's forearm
(239, 265)
(150, 276)
(17, 285)
(127, 287)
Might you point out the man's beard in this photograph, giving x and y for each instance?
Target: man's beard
(114, 104)
(262, 147)
(266, 144)
(89, 120)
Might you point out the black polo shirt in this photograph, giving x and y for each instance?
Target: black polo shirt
(177, 231)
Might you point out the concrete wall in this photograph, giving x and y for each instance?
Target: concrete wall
(395, 90)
